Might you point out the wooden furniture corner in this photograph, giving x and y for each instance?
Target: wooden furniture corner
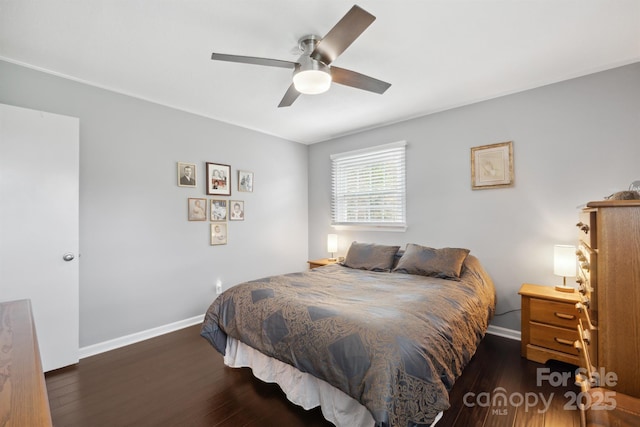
(23, 393)
(321, 262)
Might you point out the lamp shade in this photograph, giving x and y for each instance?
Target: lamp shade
(564, 260)
(311, 76)
(312, 82)
(332, 243)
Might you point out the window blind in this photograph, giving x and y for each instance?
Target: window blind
(368, 186)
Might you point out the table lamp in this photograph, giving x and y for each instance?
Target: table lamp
(332, 245)
(564, 264)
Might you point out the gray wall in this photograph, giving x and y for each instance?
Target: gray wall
(142, 264)
(574, 142)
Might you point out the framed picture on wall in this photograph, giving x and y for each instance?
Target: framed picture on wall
(218, 210)
(492, 166)
(218, 179)
(236, 210)
(187, 174)
(197, 209)
(218, 233)
(245, 181)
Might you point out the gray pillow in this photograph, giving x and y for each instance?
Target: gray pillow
(445, 263)
(369, 256)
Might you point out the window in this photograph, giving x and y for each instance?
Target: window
(369, 187)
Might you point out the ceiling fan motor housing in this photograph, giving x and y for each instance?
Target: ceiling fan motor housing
(310, 75)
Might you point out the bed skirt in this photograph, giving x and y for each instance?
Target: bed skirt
(301, 388)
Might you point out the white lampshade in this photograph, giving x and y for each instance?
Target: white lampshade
(312, 82)
(332, 243)
(564, 260)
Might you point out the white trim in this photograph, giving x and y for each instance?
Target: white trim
(145, 98)
(366, 227)
(504, 332)
(375, 148)
(115, 343)
(324, 138)
(101, 347)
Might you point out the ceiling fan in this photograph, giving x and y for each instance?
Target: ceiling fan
(312, 72)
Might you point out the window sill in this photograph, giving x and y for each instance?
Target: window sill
(400, 228)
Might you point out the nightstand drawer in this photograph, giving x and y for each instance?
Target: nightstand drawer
(553, 337)
(554, 313)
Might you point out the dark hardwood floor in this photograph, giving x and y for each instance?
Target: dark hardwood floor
(178, 379)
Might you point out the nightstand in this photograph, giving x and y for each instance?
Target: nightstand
(549, 324)
(321, 262)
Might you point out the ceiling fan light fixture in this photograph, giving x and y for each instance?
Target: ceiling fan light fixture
(311, 72)
(311, 77)
(312, 82)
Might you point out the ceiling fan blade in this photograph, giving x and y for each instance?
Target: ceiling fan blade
(289, 97)
(340, 37)
(351, 78)
(253, 60)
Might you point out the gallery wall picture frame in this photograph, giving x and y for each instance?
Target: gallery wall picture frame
(187, 175)
(218, 179)
(245, 181)
(492, 166)
(236, 210)
(218, 233)
(219, 210)
(197, 209)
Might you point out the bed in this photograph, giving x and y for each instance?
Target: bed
(378, 340)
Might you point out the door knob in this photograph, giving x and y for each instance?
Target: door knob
(68, 256)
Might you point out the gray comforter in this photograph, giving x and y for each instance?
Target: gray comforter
(394, 342)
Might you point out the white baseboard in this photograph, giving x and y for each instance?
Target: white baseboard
(101, 347)
(504, 332)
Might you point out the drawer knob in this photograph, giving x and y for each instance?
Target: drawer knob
(583, 227)
(582, 308)
(564, 316)
(585, 302)
(584, 265)
(583, 382)
(586, 336)
(564, 342)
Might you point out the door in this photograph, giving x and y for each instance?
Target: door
(39, 235)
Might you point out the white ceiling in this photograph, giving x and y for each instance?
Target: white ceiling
(437, 54)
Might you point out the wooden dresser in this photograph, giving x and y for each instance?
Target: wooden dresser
(609, 278)
(23, 392)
